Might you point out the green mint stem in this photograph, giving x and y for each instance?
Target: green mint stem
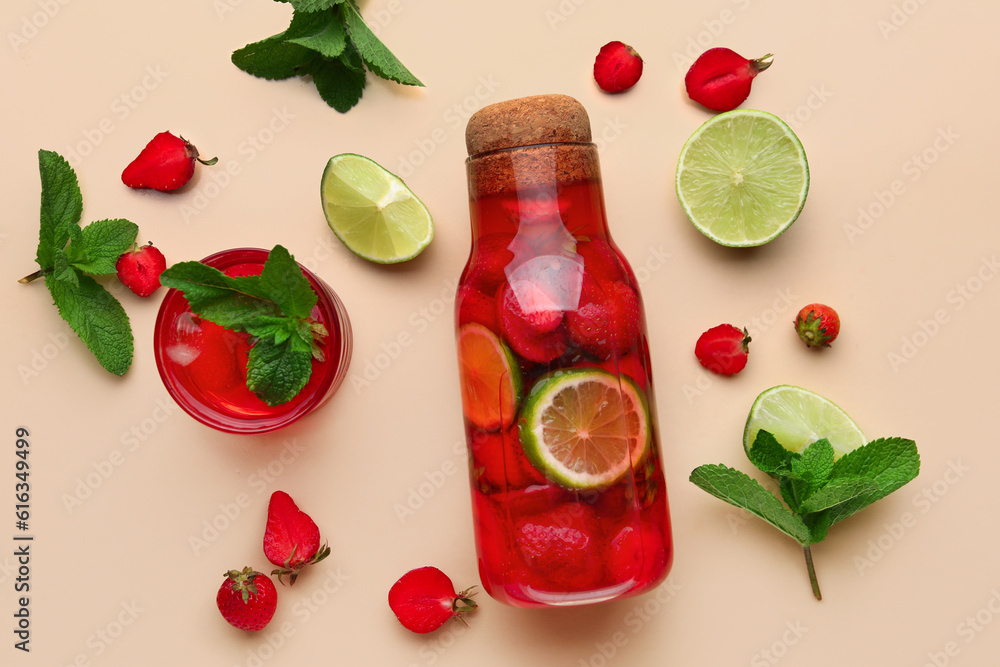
(34, 276)
(812, 571)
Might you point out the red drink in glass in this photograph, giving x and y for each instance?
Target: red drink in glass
(203, 365)
(545, 280)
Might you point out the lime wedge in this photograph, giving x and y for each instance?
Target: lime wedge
(585, 428)
(372, 211)
(742, 178)
(797, 418)
(490, 378)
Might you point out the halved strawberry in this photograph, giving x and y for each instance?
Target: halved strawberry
(423, 599)
(498, 461)
(473, 305)
(139, 269)
(291, 538)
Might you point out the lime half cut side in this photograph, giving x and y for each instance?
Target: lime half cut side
(742, 178)
(585, 428)
(797, 418)
(372, 211)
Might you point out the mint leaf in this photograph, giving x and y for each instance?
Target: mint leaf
(768, 455)
(808, 471)
(228, 302)
(322, 32)
(375, 54)
(277, 372)
(100, 244)
(741, 490)
(62, 206)
(61, 269)
(340, 86)
(284, 283)
(272, 58)
(97, 318)
(836, 492)
(313, 5)
(889, 463)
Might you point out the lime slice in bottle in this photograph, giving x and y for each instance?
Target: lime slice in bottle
(742, 178)
(490, 378)
(372, 211)
(585, 428)
(797, 418)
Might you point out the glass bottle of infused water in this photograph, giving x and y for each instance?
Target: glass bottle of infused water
(569, 499)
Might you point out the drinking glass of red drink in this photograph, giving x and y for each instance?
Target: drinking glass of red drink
(203, 365)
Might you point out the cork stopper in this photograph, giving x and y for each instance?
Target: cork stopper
(527, 121)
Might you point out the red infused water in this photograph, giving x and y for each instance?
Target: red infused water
(203, 365)
(568, 493)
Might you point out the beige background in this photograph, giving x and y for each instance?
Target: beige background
(137, 510)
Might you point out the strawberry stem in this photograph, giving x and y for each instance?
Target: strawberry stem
(758, 65)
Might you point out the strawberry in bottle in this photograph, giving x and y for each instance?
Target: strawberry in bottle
(556, 387)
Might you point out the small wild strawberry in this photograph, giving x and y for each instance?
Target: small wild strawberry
(139, 269)
(423, 599)
(165, 164)
(291, 538)
(817, 325)
(617, 67)
(723, 349)
(247, 599)
(720, 78)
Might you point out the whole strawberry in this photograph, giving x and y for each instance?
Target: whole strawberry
(818, 325)
(720, 78)
(608, 320)
(291, 538)
(617, 67)
(247, 599)
(723, 349)
(139, 269)
(423, 599)
(165, 164)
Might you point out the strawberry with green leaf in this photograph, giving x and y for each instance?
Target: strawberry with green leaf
(68, 257)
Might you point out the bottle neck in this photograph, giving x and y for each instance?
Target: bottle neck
(550, 190)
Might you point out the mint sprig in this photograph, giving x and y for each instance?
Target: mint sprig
(273, 308)
(330, 42)
(68, 256)
(817, 491)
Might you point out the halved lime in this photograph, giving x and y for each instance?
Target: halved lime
(798, 417)
(490, 377)
(742, 178)
(584, 428)
(372, 211)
